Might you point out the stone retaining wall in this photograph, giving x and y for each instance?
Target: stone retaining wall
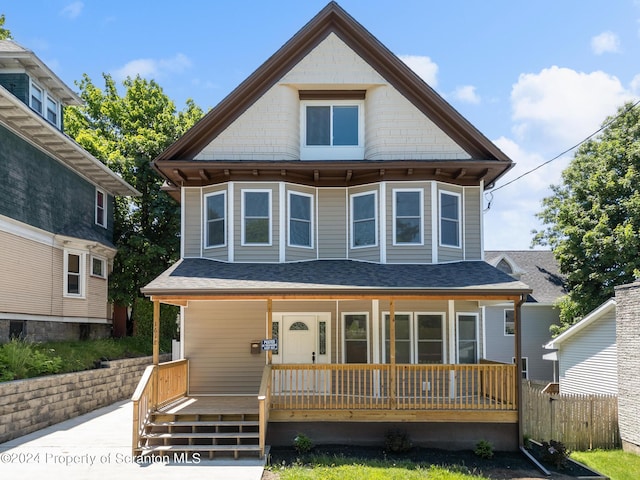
(32, 404)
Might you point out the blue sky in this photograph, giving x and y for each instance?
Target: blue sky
(535, 76)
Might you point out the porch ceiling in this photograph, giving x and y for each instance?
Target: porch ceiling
(196, 278)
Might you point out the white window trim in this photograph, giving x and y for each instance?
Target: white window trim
(322, 152)
(375, 219)
(56, 104)
(412, 336)
(82, 274)
(443, 317)
(420, 191)
(440, 218)
(242, 224)
(104, 208)
(43, 96)
(104, 266)
(504, 324)
(311, 219)
(525, 363)
(477, 323)
(205, 220)
(344, 336)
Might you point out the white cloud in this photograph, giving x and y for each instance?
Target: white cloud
(424, 67)
(73, 10)
(559, 107)
(153, 68)
(606, 42)
(467, 94)
(635, 85)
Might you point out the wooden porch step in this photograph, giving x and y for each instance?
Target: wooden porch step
(210, 449)
(212, 435)
(194, 423)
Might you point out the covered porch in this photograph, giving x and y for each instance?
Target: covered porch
(381, 391)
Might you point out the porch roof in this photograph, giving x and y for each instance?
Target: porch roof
(197, 277)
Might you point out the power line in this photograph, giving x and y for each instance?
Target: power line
(604, 127)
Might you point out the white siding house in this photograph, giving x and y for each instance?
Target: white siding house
(587, 353)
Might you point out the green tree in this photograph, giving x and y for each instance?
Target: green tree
(127, 132)
(592, 218)
(4, 33)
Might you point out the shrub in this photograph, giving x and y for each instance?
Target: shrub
(484, 449)
(396, 441)
(555, 453)
(302, 443)
(21, 359)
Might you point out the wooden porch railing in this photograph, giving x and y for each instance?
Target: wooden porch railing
(416, 387)
(264, 402)
(158, 386)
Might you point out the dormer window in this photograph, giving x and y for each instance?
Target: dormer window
(52, 111)
(37, 97)
(332, 125)
(44, 104)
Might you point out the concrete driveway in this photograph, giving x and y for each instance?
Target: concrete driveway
(98, 446)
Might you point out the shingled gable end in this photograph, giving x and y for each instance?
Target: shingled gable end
(333, 203)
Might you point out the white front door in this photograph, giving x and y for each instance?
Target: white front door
(299, 340)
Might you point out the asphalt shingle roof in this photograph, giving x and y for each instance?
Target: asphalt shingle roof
(196, 275)
(539, 269)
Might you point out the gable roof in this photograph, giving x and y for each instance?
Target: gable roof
(593, 317)
(333, 19)
(14, 55)
(537, 268)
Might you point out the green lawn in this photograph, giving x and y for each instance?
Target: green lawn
(615, 464)
(339, 468)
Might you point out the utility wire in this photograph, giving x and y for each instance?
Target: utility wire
(604, 127)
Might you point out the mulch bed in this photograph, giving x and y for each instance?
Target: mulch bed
(503, 465)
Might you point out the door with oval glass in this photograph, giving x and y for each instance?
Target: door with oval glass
(304, 340)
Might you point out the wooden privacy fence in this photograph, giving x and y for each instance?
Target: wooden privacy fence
(581, 422)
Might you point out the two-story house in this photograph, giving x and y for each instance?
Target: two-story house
(56, 211)
(332, 216)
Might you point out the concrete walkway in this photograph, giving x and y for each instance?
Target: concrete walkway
(98, 446)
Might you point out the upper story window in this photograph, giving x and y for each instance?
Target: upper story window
(300, 220)
(44, 104)
(332, 129)
(450, 219)
(215, 231)
(37, 98)
(364, 220)
(74, 274)
(98, 267)
(407, 216)
(256, 217)
(101, 208)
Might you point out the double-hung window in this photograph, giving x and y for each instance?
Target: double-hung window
(37, 98)
(356, 339)
(407, 214)
(101, 208)
(215, 209)
(509, 322)
(419, 337)
(256, 217)
(332, 129)
(364, 220)
(429, 337)
(467, 338)
(450, 219)
(74, 273)
(52, 111)
(300, 219)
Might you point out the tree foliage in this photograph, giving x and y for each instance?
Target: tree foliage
(4, 33)
(127, 132)
(592, 218)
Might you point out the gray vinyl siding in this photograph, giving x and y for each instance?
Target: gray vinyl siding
(368, 254)
(536, 321)
(472, 224)
(295, 253)
(332, 223)
(217, 344)
(192, 222)
(588, 360)
(409, 253)
(257, 253)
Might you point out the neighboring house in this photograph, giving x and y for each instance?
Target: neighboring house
(332, 205)
(539, 270)
(586, 353)
(628, 343)
(56, 211)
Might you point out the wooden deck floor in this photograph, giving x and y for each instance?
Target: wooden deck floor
(213, 405)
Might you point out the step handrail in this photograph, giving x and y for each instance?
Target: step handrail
(264, 405)
(142, 405)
